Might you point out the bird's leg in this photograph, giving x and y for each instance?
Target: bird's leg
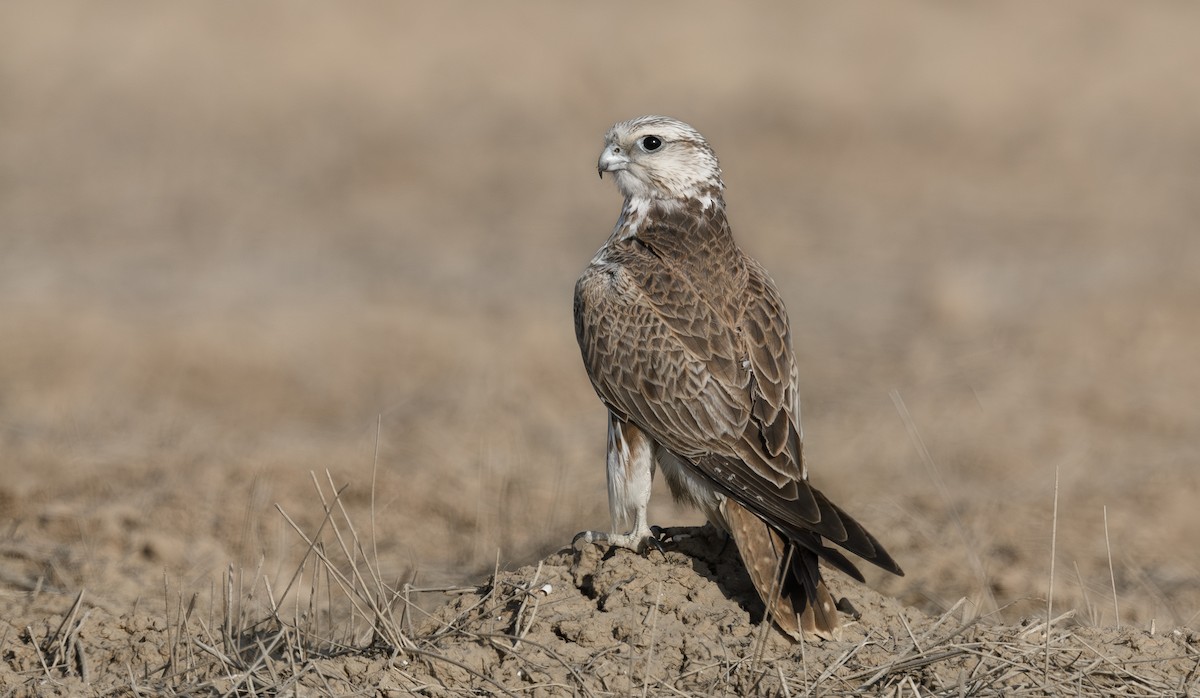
(630, 472)
(640, 539)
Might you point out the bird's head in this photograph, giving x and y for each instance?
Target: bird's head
(660, 158)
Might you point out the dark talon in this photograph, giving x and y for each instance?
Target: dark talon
(672, 534)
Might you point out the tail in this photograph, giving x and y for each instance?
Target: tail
(785, 575)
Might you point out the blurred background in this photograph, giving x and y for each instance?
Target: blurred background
(244, 243)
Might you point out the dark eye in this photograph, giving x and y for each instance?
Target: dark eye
(651, 142)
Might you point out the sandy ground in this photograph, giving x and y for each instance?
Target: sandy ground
(243, 247)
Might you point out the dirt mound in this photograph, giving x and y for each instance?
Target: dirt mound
(611, 620)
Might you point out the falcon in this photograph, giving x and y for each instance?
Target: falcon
(686, 341)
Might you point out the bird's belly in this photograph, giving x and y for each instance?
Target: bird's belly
(688, 487)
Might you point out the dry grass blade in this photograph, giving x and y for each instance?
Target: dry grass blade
(1050, 592)
(913, 662)
(769, 612)
(1112, 576)
(519, 628)
(943, 618)
(838, 663)
(40, 656)
(374, 481)
(653, 637)
(59, 638)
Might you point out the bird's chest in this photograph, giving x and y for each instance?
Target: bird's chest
(615, 277)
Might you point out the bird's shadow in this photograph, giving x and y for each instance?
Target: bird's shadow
(709, 552)
(715, 557)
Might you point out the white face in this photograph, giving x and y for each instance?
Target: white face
(657, 157)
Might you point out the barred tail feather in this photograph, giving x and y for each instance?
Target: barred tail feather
(795, 596)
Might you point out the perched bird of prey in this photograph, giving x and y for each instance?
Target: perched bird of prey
(686, 341)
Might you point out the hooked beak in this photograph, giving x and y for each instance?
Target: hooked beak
(611, 160)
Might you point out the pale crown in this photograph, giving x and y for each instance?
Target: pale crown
(660, 158)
